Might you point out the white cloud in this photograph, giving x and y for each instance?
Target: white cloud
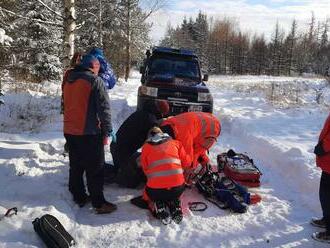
(260, 18)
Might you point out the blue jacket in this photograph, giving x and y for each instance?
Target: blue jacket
(106, 71)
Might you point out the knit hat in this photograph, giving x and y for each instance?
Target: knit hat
(97, 52)
(87, 61)
(162, 106)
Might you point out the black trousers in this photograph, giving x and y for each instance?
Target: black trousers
(129, 174)
(165, 194)
(324, 194)
(86, 155)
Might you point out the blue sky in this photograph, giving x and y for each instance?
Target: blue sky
(252, 15)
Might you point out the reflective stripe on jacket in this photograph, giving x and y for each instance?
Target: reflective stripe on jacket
(324, 161)
(193, 129)
(163, 164)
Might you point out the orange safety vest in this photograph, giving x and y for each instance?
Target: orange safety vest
(324, 161)
(163, 164)
(193, 130)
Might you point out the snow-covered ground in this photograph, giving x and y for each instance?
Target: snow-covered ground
(275, 120)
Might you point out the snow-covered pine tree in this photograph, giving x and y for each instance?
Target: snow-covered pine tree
(36, 30)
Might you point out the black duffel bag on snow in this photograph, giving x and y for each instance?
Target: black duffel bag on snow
(51, 231)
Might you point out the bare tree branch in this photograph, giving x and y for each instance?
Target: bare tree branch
(29, 18)
(50, 9)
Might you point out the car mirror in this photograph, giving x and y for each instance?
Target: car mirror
(141, 69)
(206, 77)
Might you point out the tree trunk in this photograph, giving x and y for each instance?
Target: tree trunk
(128, 42)
(69, 30)
(100, 25)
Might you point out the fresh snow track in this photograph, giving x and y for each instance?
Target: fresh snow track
(34, 175)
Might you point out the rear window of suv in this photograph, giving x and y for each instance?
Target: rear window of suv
(174, 68)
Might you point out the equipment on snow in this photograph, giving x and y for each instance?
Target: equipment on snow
(51, 231)
(240, 168)
(223, 191)
(10, 212)
(197, 206)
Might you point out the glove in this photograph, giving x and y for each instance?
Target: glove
(113, 136)
(318, 150)
(106, 140)
(203, 159)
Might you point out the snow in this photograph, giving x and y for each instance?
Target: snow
(4, 39)
(279, 133)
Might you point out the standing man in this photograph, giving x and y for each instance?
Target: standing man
(87, 125)
(322, 152)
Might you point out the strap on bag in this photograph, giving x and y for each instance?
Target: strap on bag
(197, 206)
(10, 212)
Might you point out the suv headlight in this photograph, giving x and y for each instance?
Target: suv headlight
(148, 91)
(204, 97)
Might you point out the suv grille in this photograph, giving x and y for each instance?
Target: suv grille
(166, 93)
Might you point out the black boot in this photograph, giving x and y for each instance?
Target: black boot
(176, 210)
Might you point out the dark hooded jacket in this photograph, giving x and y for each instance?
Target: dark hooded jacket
(86, 104)
(133, 132)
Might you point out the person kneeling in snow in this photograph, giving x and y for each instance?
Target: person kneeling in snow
(87, 121)
(322, 152)
(130, 137)
(197, 131)
(163, 160)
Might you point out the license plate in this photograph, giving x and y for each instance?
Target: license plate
(194, 108)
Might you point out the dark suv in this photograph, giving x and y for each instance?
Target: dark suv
(174, 75)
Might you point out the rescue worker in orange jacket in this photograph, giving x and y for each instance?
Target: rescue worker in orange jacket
(163, 160)
(322, 152)
(87, 122)
(197, 131)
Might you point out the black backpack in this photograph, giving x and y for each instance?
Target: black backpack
(51, 231)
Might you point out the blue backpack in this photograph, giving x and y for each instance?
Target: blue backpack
(232, 194)
(223, 192)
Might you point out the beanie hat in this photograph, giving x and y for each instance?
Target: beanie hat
(87, 61)
(97, 52)
(162, 106)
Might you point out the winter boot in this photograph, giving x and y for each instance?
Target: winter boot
(82, 202)
(162, 213)
(321, 236)
(106, 208)
(176, 210)
(318, 222)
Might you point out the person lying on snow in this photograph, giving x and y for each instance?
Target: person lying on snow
(163, 160)
(322, 152)
(197, 131)
(130, 137)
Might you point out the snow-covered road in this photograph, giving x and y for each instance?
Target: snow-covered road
(34, 175)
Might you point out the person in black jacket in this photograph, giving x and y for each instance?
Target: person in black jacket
(130, 137)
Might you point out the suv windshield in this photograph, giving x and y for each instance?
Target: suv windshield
(176, 68)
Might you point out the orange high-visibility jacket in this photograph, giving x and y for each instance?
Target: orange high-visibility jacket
(324, 161)
(191, 129)
(163, 163)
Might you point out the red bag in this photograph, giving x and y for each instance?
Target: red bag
(240, 168)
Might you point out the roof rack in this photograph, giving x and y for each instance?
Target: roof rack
(179, 51)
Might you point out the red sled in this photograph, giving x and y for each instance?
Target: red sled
(240, 168)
